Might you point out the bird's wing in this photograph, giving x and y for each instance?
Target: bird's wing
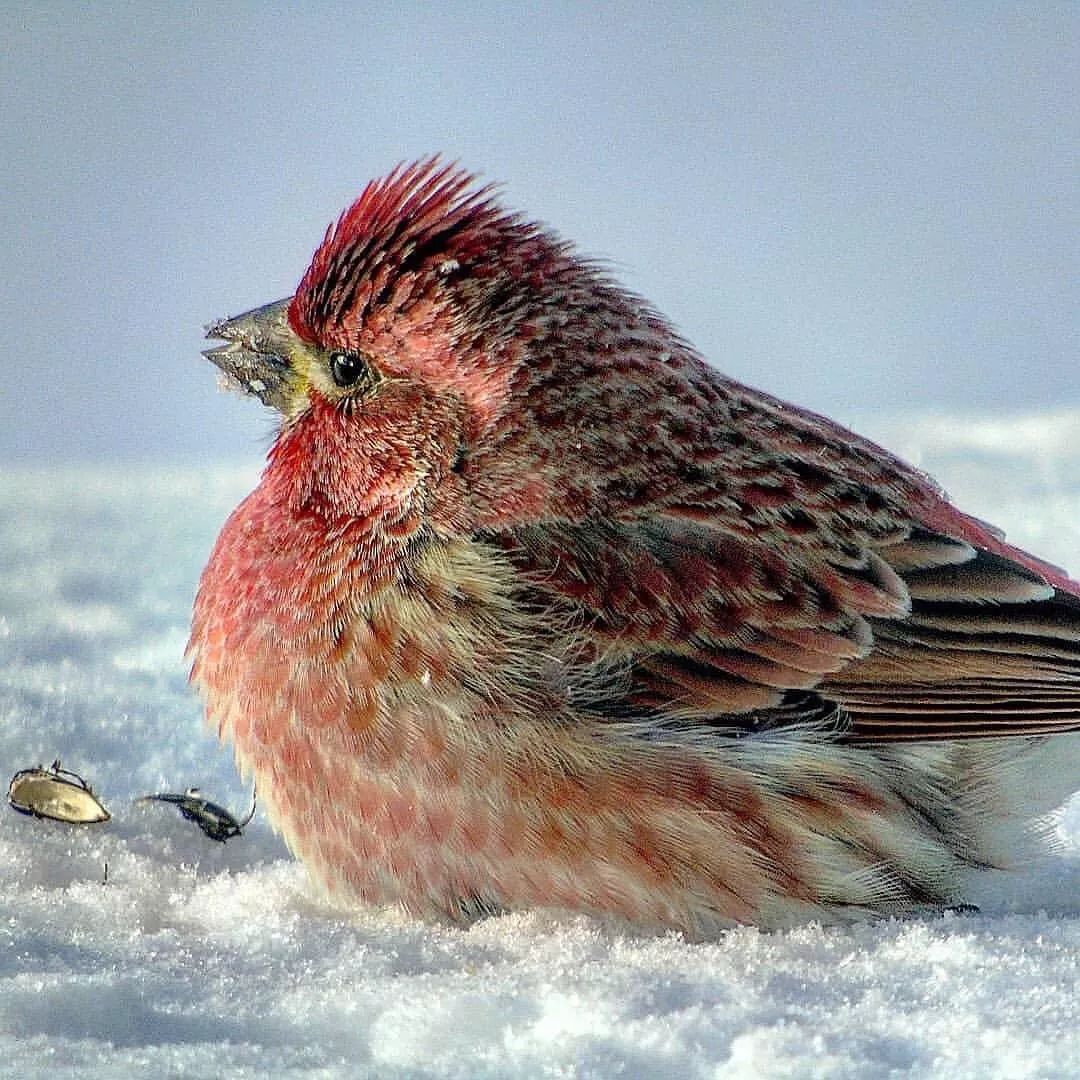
(821, 578)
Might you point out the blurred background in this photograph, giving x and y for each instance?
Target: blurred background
(868, 209)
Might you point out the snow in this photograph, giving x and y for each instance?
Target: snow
(139, 947)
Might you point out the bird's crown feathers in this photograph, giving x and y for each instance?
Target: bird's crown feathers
(426, 211)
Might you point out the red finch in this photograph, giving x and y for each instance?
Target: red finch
(532, 607)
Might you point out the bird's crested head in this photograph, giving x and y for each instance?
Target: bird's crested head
(432, 341)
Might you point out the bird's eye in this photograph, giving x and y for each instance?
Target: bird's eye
(346, 368)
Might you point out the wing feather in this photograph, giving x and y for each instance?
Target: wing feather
(755, 565)
(930, 638)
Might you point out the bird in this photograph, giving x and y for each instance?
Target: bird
(532, 607)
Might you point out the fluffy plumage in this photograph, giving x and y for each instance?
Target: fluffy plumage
(533, 607)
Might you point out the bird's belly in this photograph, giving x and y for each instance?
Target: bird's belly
(429, 807)
(425, 804)
(444, 825)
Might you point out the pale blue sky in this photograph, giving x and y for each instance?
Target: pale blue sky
(864, 208)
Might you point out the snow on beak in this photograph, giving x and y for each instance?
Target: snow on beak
(256, 354)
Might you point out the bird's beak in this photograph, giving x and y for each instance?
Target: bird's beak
(257, 350)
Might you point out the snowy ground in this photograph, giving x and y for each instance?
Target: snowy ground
(201, 959)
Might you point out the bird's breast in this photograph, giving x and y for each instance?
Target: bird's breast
(357, 686)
